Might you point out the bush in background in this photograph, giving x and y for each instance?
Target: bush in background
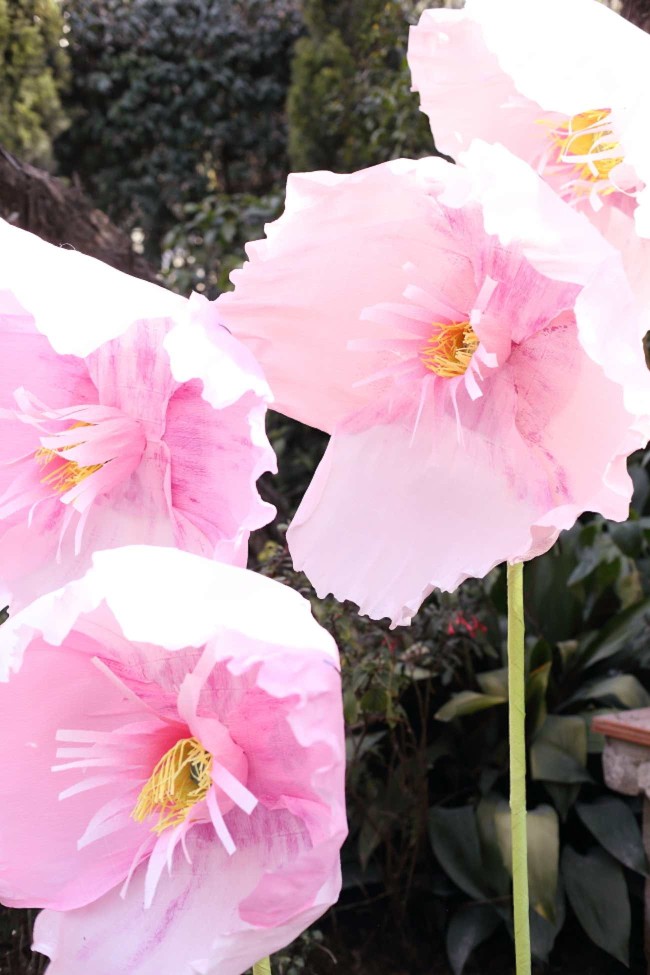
(349, 104)
(175, 99)
(34, 71)
(207, 243)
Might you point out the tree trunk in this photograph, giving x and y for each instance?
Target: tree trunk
(638, 11)
(61, 214)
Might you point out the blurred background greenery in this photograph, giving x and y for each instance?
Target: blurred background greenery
(180, 119)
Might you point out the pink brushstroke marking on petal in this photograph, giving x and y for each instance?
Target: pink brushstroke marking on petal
(190, 767)
(468, 339)
(127, 415)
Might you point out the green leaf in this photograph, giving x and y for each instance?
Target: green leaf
(467, 702)
(563, 796)
(628, 536)
(541, 653)
(545, 584)
(595, 740)
(600, 550)
(613, 824)
(494, 682)
(543, 855)
(536, 687)
(629, 586)
(359, 745)
(621, 689)
(542, 932)
(622, 629)
(369, 840)
(375, 701)
(350, 706)
(569, 652)
(492, 858)
(598, 894)
(543, 860)
(559, 751)
(468, 928)
(455, 841)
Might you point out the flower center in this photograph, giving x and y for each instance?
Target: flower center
(450, 348)
(181, 778)
(587, 142)
(60, 474)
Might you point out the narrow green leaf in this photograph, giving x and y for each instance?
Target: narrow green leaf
(622, 629)
(467, 702)
(622, 689)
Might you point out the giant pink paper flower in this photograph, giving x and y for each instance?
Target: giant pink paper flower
(465, 336)
(563, 85)
(127, 414)
(173, 758)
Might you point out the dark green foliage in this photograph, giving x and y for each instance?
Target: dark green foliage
(174, 99)
(200, 251)
(349, 104)
(33, 69)
(321, 103)
(587, 614)
(15, 942)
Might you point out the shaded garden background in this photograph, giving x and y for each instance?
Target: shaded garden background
(157, 135)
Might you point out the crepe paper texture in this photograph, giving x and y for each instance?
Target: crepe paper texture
(473, 347)
(127, 415)
(173, 756)
(485, 71)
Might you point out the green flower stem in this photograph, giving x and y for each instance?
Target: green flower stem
(263, 967)
(517, 733)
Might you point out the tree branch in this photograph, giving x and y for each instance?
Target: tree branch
(61, 214)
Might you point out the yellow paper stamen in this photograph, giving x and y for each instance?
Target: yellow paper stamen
(68, 474)
(588, 135)
(449, 350)
(181, 778)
